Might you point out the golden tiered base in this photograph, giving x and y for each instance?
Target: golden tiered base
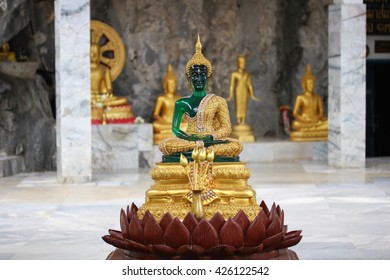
(229, 195)
(305, 136)
(112, 115)
(243, 132)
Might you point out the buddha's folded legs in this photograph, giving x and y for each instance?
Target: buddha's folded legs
(173, 145)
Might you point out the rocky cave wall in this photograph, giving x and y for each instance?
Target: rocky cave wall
(27, 125)
(279, 38)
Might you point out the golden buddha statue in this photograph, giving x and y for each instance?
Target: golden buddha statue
(309, 122)
(6, 54)
(241, 87)
(106, 108)
(223, 179)
(165, 104)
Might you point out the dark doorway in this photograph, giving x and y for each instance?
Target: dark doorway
(378, 109)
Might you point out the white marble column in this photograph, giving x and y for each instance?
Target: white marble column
(347, 84)
(72, 39)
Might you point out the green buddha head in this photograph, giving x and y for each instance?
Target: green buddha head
(198, 68)
(198, 77)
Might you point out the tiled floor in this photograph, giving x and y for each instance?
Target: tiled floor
(344, 213)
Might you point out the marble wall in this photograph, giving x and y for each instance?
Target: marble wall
(73, 90)
(347, 85)
(122, 146)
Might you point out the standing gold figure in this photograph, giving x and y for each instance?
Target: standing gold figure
(309, 122)
(241, 87)
(165, 105)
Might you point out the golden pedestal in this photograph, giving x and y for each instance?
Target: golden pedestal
(307, 136)
(229, 195)
(243, 132)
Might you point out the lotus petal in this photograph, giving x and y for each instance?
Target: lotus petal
(135, 246)
(278, 210)
(221, 250)
(275, 227)
(176, 234)
(205, 235)
(292, 233)
(273, 241)
(242, 219)
(124, 225)
(188, 250)
(264, 207)
(153, 232)
(134, 207)
(231, 234)
(163, 250)
(248, 250)
(217, 221)
(289, 242)
(282, 218)
(115, 233)
(264, 219)
(119, 243)
(146, 217)
(256, 231)
(166, 220)
(190, 222)
(136, 230)
(272, 213)
(131, 212)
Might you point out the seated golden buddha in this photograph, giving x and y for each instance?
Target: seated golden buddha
(6, 54)
(224, 178)
(106, 108)
(165, 104)
(309, 122)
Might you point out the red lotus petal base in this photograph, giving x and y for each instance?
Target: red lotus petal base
(266, 237)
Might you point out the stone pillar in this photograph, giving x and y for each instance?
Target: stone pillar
(72, 39)
(347, 84)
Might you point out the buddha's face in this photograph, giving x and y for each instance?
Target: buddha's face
(310, 85)
(94, 53)
(198, 76)
(170, 86)
(241, 62)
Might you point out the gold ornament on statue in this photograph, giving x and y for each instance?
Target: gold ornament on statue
(107, 61)
(241, 88)
(309, 122)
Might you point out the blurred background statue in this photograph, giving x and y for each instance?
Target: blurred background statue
(309, 122)
(6, 54)
(241, 87)
(107, 108)
(165, 104)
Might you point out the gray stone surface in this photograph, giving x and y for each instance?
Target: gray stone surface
(26, 122)
(279, 37)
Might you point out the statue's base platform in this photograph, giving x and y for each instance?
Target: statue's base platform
(243, 133)
(10, 165)
(283, 254)
(122, 146)
(229, 194)
(275, 150)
